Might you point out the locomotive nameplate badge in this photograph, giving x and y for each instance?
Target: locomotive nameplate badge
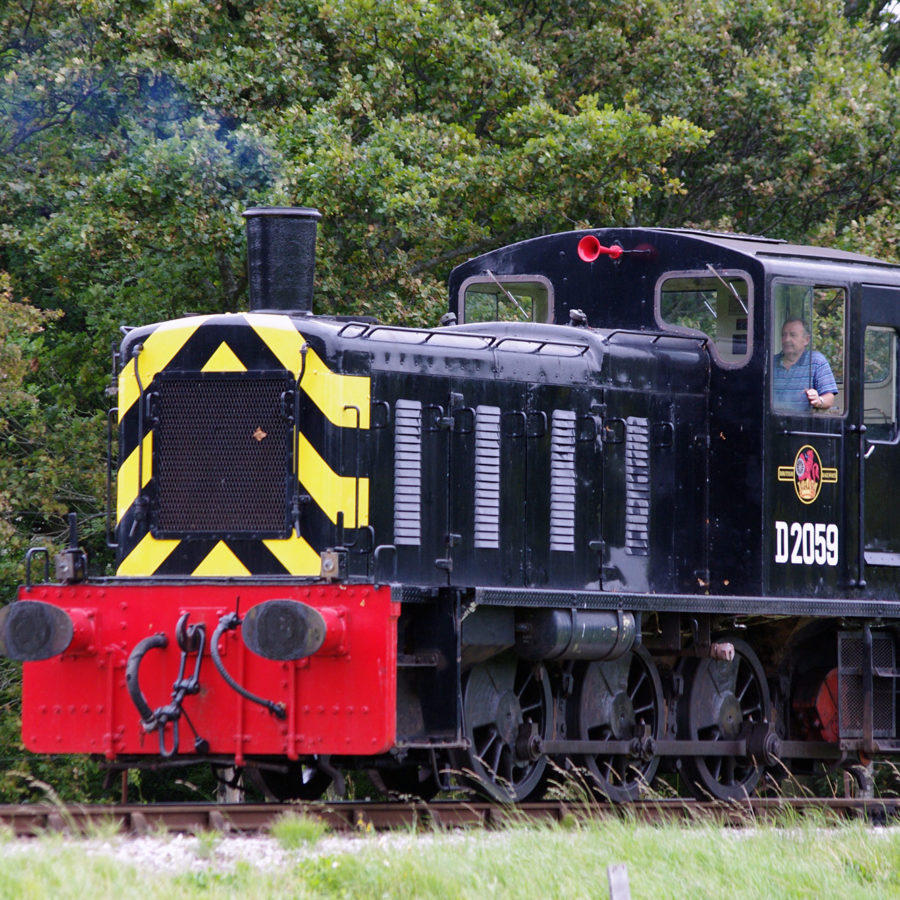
(807, 474)
(807, 543)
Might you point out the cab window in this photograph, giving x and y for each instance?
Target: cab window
(880, 385)
(716, 303)
(808, 349)
(509, 298)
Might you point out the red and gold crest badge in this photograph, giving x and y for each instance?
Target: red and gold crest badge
(807, 474)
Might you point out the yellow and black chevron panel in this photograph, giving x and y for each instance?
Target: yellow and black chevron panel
(240, 447)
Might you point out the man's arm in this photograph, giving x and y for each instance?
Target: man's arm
(821, 396)
(820, 401)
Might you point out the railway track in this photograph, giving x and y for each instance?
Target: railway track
(351, 816)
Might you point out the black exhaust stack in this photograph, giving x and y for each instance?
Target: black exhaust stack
(281, 257)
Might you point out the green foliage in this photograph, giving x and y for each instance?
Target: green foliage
(294, 830)
(797, 96)
(413, 193)
(133, 134)
(40, 477)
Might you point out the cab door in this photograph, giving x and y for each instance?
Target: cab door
(813, 539)
(879, 445)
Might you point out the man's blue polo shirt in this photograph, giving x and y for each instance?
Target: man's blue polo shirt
(791, 384)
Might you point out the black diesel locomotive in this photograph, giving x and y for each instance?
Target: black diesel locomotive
(579, 522)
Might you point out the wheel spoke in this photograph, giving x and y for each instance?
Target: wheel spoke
(525, 684)
(747, 684)
(492, 737)
(499, 747)
(638, 684)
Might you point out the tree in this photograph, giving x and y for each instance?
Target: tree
(800, 103)
(133, 135)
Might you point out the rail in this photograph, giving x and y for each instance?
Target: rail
(25, 821)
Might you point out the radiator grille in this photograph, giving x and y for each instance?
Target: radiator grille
(487, 477)
(222, 455)
(562, 481)
(850, 685)
(637, 486)
(408, 473)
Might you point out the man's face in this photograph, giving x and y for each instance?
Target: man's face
(794, 340)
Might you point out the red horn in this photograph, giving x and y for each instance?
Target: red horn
(589, 248)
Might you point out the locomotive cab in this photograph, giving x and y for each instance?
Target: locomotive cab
(787, 505)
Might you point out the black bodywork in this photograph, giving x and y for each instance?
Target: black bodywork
(741, 439)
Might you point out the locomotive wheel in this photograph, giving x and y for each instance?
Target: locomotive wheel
(721, 698)
(298, 782)
(506, 701)
(619, 700)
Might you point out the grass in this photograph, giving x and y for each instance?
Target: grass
(799, 858)
(293, 831)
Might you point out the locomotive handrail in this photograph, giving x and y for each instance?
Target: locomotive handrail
(835, 435)
(112, 544)
(425, 336)
(373, 419)
(654, 337)
(540, 347)
(356, 428)
(358, 329)
(474, 341)
(514, 415)
(29, 556)
(140, 504)
(380, 551)
(861, 508)
(296, 499)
